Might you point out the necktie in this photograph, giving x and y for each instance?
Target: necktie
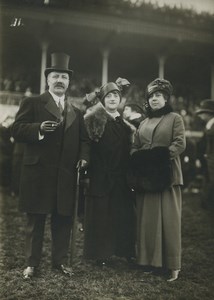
(61, 110)
(60, 107)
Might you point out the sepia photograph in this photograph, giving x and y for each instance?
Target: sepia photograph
(106, 149)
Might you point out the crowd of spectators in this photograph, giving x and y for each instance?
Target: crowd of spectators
(17, 85)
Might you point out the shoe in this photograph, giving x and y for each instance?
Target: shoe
(174, 275)
(28, 272)
(147, 269)
(65, 270)
(131, 259)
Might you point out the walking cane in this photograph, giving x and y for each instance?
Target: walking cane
(74, 227)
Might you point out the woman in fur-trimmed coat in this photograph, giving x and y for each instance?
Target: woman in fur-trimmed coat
(109, 217)
(159, 211)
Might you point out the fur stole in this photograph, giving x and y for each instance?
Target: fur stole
(96, 119)
(150, 170)
(160, 112)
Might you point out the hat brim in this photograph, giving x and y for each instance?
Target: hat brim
(157, 89)
(201, 111)
(49, 70)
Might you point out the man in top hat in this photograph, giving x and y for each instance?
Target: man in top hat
(206, 113)
(56, 141)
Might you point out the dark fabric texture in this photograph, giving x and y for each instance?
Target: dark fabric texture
(150, 170)
(160, 112)
(48, 176)
(109, 218)
(109, 224)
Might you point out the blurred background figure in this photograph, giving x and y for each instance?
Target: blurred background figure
(206, 113)
(133, 112)
(6, 152)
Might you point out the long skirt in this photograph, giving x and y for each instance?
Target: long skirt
(109, 225)
(159, 228)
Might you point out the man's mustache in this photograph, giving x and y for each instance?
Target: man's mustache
(59, 85)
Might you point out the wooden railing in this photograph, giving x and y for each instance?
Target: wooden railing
(11, 98)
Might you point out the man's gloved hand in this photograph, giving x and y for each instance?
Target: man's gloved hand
(48, 126)
(82, 164)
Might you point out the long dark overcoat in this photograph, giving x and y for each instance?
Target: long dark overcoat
(109, 218)
(48, 177)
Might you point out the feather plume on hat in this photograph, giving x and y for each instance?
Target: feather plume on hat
(94, 97)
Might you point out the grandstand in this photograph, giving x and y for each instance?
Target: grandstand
(106, 39)
(137, 40)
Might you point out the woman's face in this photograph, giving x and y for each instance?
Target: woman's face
(112, 101)
(157, 100)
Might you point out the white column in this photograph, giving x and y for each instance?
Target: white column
(105, 57)
(44, 47)
(212, 81)
(161, 62)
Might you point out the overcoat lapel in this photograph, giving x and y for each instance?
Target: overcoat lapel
(151, 126)
(51, 106)
(70, 115)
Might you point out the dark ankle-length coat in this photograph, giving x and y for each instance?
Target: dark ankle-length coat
(48, 177)
(109, 218)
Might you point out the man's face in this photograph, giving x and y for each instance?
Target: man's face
(58, 82)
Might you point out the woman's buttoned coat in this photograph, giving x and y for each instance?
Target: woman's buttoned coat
(159, 213)
(165, 131)
(48, 177)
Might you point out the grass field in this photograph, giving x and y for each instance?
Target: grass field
(118, 282)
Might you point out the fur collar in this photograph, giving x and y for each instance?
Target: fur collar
(96, 119)
(160, 112)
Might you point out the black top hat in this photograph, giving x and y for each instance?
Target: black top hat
(206, 106)
(59, 63)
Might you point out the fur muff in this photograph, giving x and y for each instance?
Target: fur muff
(96, 119)
(150, 170)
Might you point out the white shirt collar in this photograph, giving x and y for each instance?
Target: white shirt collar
(57, 99)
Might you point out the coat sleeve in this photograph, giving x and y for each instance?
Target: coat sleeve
(136, 145)
(85, 142)
(178, 144)
(24, 128)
